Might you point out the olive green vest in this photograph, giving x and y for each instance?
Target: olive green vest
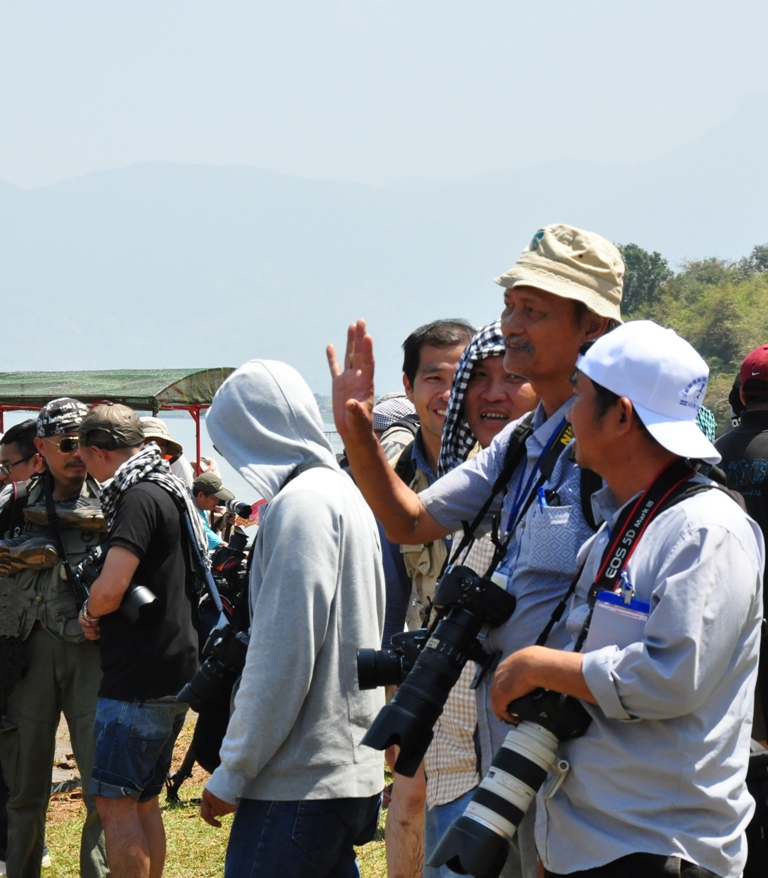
(45, 596)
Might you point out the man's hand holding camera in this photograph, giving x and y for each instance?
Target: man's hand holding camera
(537, 667)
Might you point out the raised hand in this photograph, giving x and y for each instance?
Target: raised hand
(353, 386)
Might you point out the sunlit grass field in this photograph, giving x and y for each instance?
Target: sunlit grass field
(194, 848)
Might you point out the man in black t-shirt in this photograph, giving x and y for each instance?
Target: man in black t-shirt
(144, 663)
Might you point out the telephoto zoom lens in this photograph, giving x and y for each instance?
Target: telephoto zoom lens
(477, 843)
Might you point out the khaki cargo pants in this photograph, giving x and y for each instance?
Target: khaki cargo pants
(60, 677)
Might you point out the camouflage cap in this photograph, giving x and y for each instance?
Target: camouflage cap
(120, 422)
(60, 417)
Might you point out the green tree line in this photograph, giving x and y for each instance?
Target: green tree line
(719, 306)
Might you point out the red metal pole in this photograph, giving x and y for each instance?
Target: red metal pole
(195, 412)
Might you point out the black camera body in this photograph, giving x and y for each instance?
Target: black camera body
(225, 646)
(389, 667)
(464, 603)
(224, 659)
(477, 842)
(139, 605)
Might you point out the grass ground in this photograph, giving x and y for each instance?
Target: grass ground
(194, 848)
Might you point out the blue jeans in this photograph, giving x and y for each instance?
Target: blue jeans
(436, 823)
(313, 838)
(134, 747)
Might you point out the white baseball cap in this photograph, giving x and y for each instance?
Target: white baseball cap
(662, 376)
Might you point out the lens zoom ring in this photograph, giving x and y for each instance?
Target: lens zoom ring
(498, 805)
(519, 766)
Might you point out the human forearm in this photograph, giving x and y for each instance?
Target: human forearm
(397, 507)
(537, 667)
(107, 591)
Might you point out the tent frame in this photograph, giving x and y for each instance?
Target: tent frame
(189, 390)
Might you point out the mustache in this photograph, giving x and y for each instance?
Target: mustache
(519, 344)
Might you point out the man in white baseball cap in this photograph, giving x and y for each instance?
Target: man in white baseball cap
(665, 624)
(564, 290)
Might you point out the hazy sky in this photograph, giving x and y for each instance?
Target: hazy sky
(366, 90)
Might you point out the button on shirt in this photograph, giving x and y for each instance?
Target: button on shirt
(541, 556)
(661, 769)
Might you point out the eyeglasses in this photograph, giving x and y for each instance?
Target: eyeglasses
(5, 469)
(66, 445)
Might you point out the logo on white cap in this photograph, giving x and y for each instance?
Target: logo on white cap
(693, 393)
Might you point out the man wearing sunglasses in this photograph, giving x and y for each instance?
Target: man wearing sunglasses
(63, 669)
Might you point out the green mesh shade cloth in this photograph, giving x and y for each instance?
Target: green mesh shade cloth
(144, 389)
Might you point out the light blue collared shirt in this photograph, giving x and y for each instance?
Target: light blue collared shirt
(662, 767)
(541, 556)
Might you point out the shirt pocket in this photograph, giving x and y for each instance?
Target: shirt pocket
(552, 540)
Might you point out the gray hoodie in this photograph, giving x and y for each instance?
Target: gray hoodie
(316, 597)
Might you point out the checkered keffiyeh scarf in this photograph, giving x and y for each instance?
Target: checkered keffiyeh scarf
(149, 466)
(458, 439)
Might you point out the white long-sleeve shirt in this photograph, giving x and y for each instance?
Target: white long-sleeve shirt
(662, 767)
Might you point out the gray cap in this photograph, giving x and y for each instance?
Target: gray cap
(119, 421)
(210, 483)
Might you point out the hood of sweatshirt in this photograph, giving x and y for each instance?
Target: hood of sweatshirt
(265, 421)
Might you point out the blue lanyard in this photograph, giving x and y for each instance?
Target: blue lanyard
(524, 486)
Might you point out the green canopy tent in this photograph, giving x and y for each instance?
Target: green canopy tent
(154, 390)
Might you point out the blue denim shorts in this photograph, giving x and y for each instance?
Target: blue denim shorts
(134, 747)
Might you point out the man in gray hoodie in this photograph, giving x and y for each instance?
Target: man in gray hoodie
(292, 765)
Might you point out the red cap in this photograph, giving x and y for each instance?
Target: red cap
(755, 366)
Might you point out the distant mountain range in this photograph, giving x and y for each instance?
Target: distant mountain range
(170, 265)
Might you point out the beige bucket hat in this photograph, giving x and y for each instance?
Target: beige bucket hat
(574, 264)
(155, 428)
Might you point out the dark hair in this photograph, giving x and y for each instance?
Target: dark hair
(606, 399)
(755, 391)
(580, 310)
(23, 437)
(438, 334)
(99, 439)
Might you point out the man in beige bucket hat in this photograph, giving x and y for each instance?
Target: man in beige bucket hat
(563, 291)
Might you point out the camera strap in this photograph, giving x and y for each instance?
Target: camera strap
(55, 526)
(512, 458)
(669, 487)
(527, 491)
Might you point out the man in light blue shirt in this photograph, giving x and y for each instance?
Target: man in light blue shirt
(564, 290)
(208, 492)
(657, 783)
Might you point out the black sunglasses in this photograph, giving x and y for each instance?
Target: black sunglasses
(67, 445)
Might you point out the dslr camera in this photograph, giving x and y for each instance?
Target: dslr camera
(225, 648)
(139, 605)
(477, 842)
(464, 603)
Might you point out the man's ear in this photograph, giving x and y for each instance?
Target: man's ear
(626, 415)
(593, 326)
(40, 446)
(407, 387)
